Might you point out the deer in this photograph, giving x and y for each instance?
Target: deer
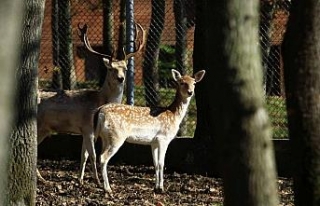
(119, 123)
(71, 111)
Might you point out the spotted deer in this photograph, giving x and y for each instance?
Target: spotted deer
(72, 111)
(117, 123)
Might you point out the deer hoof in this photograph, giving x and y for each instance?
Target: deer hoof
(158, 190)
(41, 179)
(109, 193)
(98, 183)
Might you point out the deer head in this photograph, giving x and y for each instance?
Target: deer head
(186, 84)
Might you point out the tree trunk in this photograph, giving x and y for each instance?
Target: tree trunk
(23, 142)
(200, 61)
(65, 59)
(266, 14)
(301, 48)
(236, 121)
(9, 58)
(122, 30)
(150, 71)
(180, 17)
(56, 83)
(107, 35)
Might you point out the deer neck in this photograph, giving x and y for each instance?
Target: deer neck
(179, 106)
(111, 92)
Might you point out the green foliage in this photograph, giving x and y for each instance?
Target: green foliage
(166, 63)
(276, 108)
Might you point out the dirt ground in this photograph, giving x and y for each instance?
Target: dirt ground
(132, 185)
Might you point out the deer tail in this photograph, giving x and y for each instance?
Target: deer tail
(96, 127)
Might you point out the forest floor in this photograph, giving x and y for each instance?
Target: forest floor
(132, 185)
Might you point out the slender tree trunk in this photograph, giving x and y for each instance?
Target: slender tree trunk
(65, 59)
(23, 142)
(150, 70)
(181, 34)
(266, 14)
(107, 35)
(122, 30)
(237, 120)
(181, 47)
(9, 58)
(301, 48)
(56, 75)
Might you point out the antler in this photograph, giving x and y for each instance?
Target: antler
(141, 42)
(84, 38)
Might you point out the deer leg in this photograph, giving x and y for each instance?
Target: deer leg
(154, 150)
(109, 149)
(40, 178)
(88, 141)
(84, 157)
(161, 157)
(42, 134)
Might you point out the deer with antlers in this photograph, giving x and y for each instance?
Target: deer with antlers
(72, 111)
(117, 123)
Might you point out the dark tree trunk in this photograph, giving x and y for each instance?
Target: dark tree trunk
(200, 61)
(65, 59)
(107, 36)
(9, 58)
(266, 14)
(180, 17)
(122, 30)
(23, 142)
(107, 27)
(150, 71)
(301, 48)
(56, 75)
(236, 121)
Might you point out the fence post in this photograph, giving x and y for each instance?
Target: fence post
(130, 32)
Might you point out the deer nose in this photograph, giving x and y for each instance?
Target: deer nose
(120, 79)
(190, 93)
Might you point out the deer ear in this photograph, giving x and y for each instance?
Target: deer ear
(107, 62)
(175, 74)
(199, 75)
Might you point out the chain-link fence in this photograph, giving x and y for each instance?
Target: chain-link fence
(66, 64)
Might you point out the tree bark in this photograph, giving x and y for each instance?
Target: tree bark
(65, 59)
(9, 58)
(56, 83)
(107, 36)
(122, 30)
(150, 71)
(266, 14)
(236, 120)
(23, 142)
(301, 49)
(180, 16)
(201, 61)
